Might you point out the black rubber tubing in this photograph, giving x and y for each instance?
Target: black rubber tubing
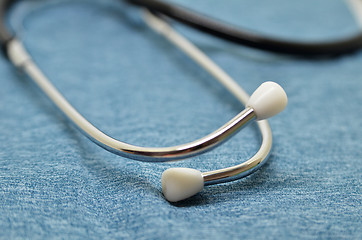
(222, 30)
(5, 35)
(239, 36)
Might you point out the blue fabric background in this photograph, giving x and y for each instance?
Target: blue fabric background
(134, 85)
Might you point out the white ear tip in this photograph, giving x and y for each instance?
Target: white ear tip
(181, 183)
(268, 100)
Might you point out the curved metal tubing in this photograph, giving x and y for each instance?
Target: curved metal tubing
(20, 58)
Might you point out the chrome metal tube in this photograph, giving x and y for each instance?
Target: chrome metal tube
(21, 59)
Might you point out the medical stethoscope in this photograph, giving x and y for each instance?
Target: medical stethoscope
(268, 100)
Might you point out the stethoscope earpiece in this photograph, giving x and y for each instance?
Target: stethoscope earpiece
(181, 183)
(178, 184)
(268, 100)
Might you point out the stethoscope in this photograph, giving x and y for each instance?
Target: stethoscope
(268, 100)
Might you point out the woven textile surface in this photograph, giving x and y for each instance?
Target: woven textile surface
(137, 87)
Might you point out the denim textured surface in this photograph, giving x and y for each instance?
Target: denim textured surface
(135, 86)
